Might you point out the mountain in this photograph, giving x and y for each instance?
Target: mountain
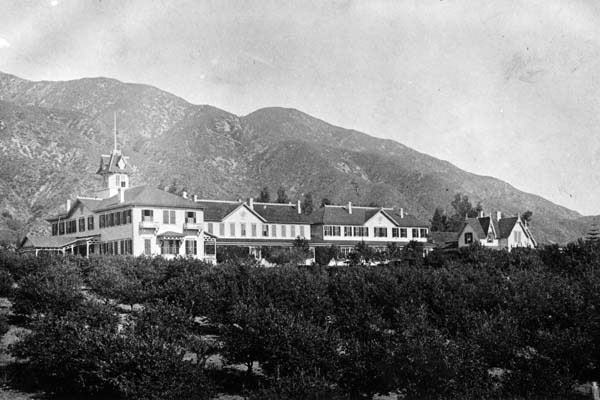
(52, 134)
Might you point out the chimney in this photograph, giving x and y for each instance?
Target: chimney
(195, 198)
(68, 205)
(184, 194)
(251, 203)
(481, 214)
(498, 215)
(121, 195)
(349, 207)
(401, 212)
(299, 207)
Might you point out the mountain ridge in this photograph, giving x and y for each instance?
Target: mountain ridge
(215, 153)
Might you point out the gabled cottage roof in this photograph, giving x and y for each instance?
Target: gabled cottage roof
(216, 211)
(506, 226)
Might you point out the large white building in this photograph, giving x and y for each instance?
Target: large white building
(143, 220)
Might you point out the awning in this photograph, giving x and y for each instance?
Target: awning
(209, 237)
(170, 235)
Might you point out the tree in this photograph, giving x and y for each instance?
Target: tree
(526, 217)
(307, 204)
(282, 196)
(439, 221)
(264, 196)
(462, 209)
(593, 234)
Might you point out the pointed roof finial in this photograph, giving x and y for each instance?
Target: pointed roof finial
(115, 129)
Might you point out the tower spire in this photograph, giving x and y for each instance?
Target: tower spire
(115, 130)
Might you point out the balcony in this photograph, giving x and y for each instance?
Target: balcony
(192, 225)
(148, 225)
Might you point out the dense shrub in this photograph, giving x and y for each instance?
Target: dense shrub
(471, 324)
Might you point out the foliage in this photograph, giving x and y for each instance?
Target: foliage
(264, 196)
(439, 221)
(282, 196)
(307, 204)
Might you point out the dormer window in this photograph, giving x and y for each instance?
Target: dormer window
(121, 164)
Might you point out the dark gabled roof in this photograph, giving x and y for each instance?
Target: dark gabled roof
(147, 196)
(360, 215)
(282, 213)
(475, 223)
(109, 163)
(216, 211)
(135, 196)
(50, 242)
(407, 220)
(506, 226)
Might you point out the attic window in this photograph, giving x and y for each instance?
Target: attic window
(121, 164)
(468, 237)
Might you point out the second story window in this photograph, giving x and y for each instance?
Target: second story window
(147, 215)
(242, 229)
(395, 232)
(415, 233)
(102, 221)
(61, 228)
(265, 230)
(81, 224)
(331, 230)
(221, 229)
(302, 231)
(253, 230)
(232, 229)
(90, 222)
(209, 227)
(117, 218)
(403, 232)
(469, 237)
(190, 217)
(54, 229)
(273, 230)
(293, 231)
(283, 230)
(380, 231)
(169, 217)
(423, 232)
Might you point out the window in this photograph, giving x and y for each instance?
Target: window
(147, 247)
(403, 232)
(330, 230)
(209, 226)
(148, 215)
(221, 229)
(169, 217)
(380, 231)
(283, 230)
(111, 219)
(243, 229)
(54, 229)
(423, 232)
(191, 247)
(293, 231)
(347, 231)
(170, 247)
(232, 229)
(273, 230)
(415, 233)
(190, 217)
(302, 231)
(468, 237)
(253, 230)
(90, 223)
(81, 224)
(117, 218)
(265, 230)
(102, 221)
(127, 216)
(361, 231)
(395, 232)
(517, 236)
(61, 228)
(71, 226)
(346, 251)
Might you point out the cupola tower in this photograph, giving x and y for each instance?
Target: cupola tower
(114, 169)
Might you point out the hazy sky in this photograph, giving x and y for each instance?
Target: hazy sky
(502, 88)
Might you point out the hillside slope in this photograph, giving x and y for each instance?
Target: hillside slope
(51, 134)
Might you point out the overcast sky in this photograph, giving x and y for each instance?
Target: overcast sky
(502, 88)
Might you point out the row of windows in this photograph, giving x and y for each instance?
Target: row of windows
(116, 247)
(168, 216)
(115, 219)
(71, 226)
(251, 230)
(363, 231)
